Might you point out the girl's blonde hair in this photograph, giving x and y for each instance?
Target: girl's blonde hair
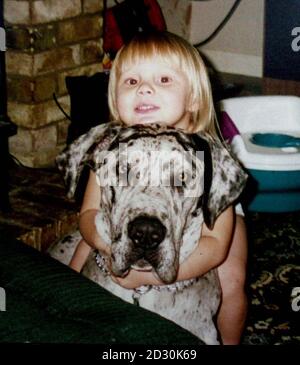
(174, 50)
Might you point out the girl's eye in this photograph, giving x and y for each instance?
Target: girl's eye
(165, 79)
(131, 81)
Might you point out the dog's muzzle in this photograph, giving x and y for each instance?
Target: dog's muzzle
(146, 232)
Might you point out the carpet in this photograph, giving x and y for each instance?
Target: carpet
(273, 272)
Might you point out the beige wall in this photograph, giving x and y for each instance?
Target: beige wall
(177, 16)
(238, 48)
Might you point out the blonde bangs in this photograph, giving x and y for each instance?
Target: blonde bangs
(142, 51)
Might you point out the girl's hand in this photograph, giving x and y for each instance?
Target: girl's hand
(136, 278)
(104, 249)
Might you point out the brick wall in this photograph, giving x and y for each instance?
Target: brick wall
(47, 40)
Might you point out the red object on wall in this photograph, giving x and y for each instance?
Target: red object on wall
(125, 19)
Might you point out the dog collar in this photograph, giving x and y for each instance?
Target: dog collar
(142, 290)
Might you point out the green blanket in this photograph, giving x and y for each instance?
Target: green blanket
(46, 302)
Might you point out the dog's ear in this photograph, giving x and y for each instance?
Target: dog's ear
(201, 145)
(84, 151)
(224, 178)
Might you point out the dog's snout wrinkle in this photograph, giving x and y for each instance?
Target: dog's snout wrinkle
(147, 232)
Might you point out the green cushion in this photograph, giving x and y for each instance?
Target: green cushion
(47, 302)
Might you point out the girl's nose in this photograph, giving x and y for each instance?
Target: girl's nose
(145, 88)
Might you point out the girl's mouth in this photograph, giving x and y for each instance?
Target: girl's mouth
(145, 108)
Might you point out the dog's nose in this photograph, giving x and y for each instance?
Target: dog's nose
(147, 232)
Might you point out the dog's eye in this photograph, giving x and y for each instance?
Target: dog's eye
(123, 168)
(182, 180)
(122, 172)
(182, 176)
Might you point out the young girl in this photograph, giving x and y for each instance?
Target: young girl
(161, 78)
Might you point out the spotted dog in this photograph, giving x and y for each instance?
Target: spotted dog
(158, 186)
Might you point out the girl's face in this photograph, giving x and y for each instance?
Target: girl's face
(153, 92)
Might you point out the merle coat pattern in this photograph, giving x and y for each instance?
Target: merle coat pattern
(198, 189)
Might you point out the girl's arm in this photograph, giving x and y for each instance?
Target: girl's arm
(212, 249)
(211, 252)
(80, 255)
(89, 209)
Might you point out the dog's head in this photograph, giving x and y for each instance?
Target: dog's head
(153, 180)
